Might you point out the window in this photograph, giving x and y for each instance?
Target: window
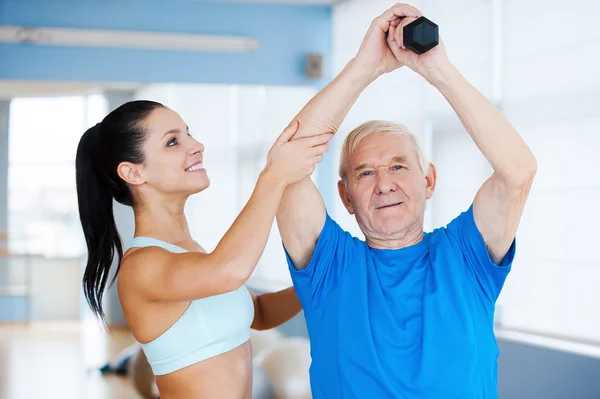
(42, 204)
(238, 125)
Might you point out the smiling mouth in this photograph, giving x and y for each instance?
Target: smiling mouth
(195, 167)
(389, 206)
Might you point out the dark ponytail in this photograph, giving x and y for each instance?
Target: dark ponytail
(118, 138)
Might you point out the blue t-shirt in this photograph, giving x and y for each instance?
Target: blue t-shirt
(415, 322)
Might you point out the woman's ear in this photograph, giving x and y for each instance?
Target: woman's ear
(131, 173)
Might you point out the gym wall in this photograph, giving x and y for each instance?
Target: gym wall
(540, 66)
(287, 33)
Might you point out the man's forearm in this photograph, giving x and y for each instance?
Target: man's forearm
(502, 146)
(326, 111)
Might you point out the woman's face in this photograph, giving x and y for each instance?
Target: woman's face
(173, 158)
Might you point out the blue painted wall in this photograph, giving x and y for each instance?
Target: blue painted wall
(14, 308)
(4, 115)
(286, 34)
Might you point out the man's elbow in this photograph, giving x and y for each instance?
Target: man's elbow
(308, 126)
(530, 166)
(522, 175)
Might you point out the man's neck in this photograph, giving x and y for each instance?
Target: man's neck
(394, 243)
(408, 237)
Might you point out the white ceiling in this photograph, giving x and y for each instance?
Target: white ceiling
(280, 1)
(9, 89)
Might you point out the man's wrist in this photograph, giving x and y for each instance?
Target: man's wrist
(441, 75)
(361, 72)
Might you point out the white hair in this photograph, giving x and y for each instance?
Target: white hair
(377, 126)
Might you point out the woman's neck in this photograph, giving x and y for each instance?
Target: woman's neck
(162, 220)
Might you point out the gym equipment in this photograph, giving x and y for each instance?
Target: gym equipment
(121, 364)
(261, 386)
(263, 340)
(421, 35)
(286, 366)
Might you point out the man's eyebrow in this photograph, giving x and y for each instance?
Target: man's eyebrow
(397, 158)
(361, 167)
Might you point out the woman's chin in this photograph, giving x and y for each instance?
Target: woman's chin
(201, 187)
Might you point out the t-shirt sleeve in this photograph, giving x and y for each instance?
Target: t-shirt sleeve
(326, 267)
(490, 276)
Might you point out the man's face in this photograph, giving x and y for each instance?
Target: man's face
(385, 187)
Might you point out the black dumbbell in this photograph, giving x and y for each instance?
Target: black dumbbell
(421, 35)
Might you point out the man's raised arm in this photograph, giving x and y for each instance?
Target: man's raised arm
(499, 203)
(301, 215)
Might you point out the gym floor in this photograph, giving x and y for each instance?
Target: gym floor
(60, 360)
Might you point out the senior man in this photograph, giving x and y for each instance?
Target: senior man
(403, 314)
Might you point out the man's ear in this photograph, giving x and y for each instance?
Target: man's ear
(345, 197)
(430, 180)
(131, 173)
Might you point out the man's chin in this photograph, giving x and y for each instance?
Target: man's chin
(392, 225)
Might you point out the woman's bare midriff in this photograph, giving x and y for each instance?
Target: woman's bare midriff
(226, 376)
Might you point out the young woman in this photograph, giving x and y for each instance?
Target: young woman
(188, 308)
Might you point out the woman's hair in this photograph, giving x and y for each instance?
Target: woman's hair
(118, 138)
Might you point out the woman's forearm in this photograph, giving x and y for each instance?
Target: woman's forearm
(275, 308)
(243, 244)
